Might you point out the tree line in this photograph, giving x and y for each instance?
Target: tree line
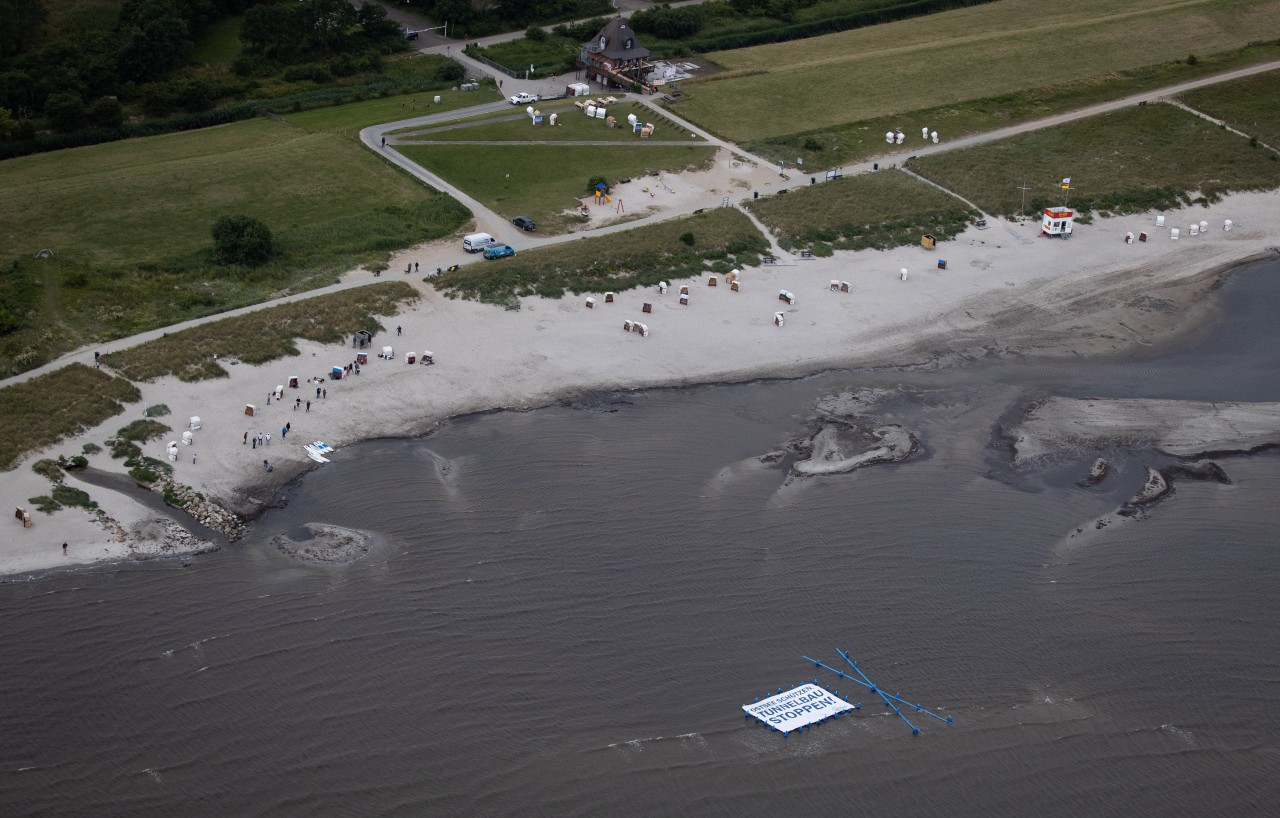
(83, 77)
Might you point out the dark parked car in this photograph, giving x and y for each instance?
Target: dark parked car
(524, 223)
(410, 35)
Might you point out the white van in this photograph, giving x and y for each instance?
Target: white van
(476, 242)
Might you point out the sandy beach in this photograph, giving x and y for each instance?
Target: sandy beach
(1005, 290)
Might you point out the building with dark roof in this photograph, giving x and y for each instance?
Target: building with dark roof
(615, 56)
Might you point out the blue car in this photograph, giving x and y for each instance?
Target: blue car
(498, 251)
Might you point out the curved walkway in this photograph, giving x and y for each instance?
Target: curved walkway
(491, 222)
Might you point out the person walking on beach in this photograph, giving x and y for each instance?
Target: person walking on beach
(246, 438)
(64, 549)
(326, 393)
(308, 406)
(268, 438)
(255, 443)
(398, 330)
(317, 391)
(296, 403)
(193, 459)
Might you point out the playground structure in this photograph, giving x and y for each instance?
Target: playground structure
(602, 197)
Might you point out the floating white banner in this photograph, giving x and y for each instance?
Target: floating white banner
(793, 709)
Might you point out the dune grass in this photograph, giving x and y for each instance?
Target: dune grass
(44, 410)
(1251, 105)
(542, 181)
(871, 210)
(1149, 157)
(263, 335)
(721, 238)
(966, 54)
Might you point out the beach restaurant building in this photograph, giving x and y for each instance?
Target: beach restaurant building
(615, 57)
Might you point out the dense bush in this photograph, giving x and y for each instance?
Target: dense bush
(242, 240)
(65, 111)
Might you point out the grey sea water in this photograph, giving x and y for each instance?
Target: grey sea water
(565, 609)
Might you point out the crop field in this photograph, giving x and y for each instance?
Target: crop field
(571, 124)
(870, 210)
(716, 240)
(948, 58)
(1140, 158)
(1251, 105)
(542, 181)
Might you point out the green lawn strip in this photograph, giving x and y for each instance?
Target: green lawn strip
(551, 55)
(870, 210)
(261, 336)
(1149, 157)
(853, 142)
(542, 181)
(350, 118)
(571, 125)
(722, 238)
(1251, 105)
(44, 410)
(973, 53)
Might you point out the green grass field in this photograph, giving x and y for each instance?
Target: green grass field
(877, 210)
(44, 410)
(128, 223)
(1140, 158)
(348, 119)
(1251, 105)
(150, 200)
(948, 58)
(542, 181)
(852, 142)
(722, 238)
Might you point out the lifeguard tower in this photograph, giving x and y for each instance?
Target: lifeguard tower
(1058, 221)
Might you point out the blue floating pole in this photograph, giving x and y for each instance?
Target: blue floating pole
(867, 683)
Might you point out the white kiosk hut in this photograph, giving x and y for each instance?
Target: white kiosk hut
(1058, 221)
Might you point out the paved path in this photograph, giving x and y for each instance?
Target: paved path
(490, 222)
